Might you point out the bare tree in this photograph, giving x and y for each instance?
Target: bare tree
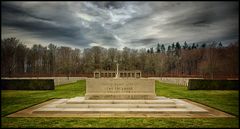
(8, 54)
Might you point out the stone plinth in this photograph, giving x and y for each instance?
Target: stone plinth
(79, 107)
(114, 89)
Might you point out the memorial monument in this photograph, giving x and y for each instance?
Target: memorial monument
(119, 96)
(125, 95)
(120, 87)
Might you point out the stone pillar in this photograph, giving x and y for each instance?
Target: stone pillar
(117, 72)
(96, 74)
(138, 75)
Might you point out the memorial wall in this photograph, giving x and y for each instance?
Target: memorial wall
(120, 88)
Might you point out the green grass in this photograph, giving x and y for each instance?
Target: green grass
(12, 101)
(225, 100)
(119, 122)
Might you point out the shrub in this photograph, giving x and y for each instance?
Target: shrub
(201, 84)
(27, 84)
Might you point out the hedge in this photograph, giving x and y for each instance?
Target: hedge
(27, 84)
(201, 84)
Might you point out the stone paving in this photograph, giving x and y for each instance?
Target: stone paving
(79, 107)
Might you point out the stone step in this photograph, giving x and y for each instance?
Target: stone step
(118, 110)
(119, 106)
(74, 101)
(161, 106)
(119, 96)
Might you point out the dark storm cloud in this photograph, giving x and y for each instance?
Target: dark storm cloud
(8, 11)
(109, 4)
(145, 41)
(204, 16)
(120, 24)
(49, 31)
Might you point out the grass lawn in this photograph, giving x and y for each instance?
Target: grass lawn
(225, 100)
(12, 101)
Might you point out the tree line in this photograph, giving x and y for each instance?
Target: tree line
(206, 60)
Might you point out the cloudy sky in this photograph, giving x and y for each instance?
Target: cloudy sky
(120, 24)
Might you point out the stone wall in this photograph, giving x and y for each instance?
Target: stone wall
(121, 74)
(174, 80)
(66, 80)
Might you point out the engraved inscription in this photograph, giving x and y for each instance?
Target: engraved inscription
(120, 89)
(113, 87)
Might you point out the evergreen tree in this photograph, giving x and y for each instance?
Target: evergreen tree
(148, 51)
(178, 46)
(193, 46)
(169, 49)
(203, 45)
(151, 50)
(185, 46)
(220, 44)
(173, 46)
(158, 48)
(162, 48)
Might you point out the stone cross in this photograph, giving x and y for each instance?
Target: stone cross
(117, 72)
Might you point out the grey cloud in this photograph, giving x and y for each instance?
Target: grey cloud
(9, 11)
(46, 30)
(203, 15)
(109, 4)
(145, 41)
(124, 23)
